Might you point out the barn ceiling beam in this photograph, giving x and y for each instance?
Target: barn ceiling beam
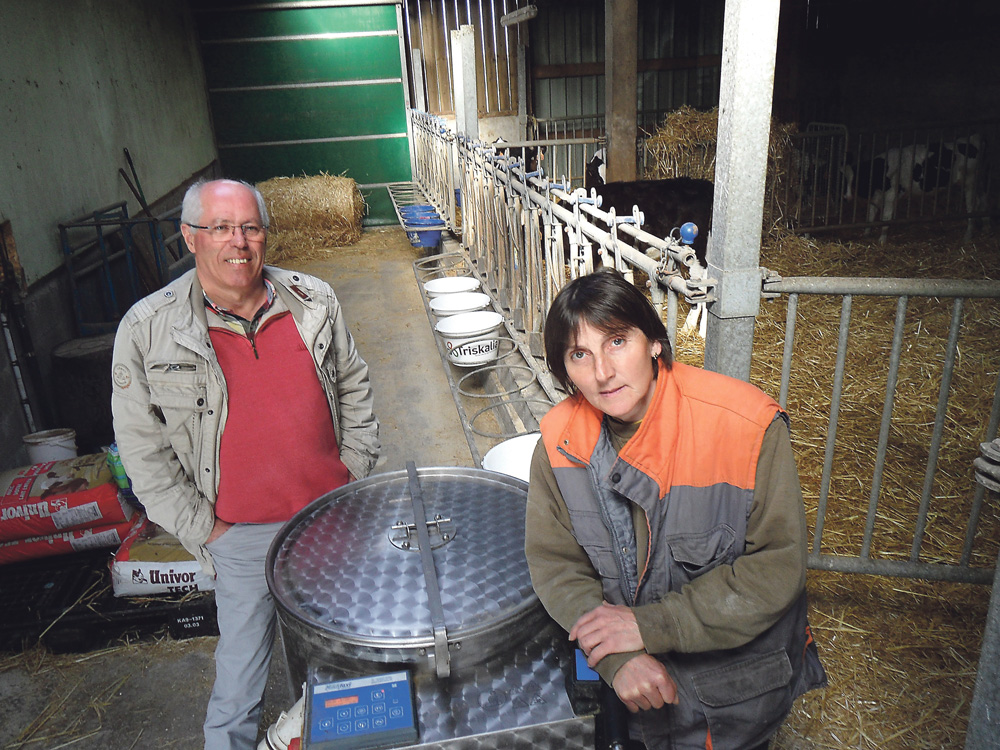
(521, 15)
(569, 70)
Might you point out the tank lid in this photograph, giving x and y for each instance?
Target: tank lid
(349, 565)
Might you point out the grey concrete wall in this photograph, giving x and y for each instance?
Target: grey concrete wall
(79, 82)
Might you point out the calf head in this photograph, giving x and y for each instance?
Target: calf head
(595, 173)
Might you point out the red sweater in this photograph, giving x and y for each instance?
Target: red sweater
(279, 451)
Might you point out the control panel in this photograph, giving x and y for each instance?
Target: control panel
(360, 713)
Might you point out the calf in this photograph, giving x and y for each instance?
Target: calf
(916, 170)
(666, 205)
(530, 157)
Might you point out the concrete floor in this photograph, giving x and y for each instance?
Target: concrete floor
(153, 694)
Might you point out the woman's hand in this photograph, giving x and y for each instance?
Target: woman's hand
(608, 629)
(644, 683)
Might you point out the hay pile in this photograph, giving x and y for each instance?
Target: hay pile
(684, 145)
(310, 215)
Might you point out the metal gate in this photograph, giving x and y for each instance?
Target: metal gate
(868, 179)
(528, 234)
(285, 81)
(518, 228)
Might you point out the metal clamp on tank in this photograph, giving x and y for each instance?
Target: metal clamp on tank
(442, 659)
(440, 531)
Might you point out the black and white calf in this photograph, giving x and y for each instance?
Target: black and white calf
(530, 157)
(913, 171)
(666, 205)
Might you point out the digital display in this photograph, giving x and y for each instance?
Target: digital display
(347, 700)
(360, 713)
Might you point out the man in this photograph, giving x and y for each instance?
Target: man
(238, 398)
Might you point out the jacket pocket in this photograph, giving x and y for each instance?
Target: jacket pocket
(695, 554)
(588, 528)
(745, 700)
(179, 392)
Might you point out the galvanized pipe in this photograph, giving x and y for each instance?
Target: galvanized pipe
(786, 357)
(942, 412)
(883, 434)
(831, 435)
(883, 287)
(977, 502)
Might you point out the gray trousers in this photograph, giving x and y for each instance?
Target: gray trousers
(246, 634)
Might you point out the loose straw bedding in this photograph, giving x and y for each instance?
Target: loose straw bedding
(901, 654)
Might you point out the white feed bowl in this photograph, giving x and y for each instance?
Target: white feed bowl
(471, 338)
(462, 302)
(512, 457)
(450, 285)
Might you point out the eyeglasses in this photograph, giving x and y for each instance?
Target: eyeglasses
(222, 232)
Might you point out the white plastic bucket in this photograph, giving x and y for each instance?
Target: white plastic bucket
(471, 338)
(512, 457)
(455, 304)
(50, 445)
(450, 285)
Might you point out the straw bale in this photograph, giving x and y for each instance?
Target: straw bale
(683, 145)
(310, 215)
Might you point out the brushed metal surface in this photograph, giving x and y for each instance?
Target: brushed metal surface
(345, 585)
(514, 700)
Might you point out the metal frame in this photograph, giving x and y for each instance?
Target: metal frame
(946, 290)
(87, 253)
(812, 197)
(517, 230)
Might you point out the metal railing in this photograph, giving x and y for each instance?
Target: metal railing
(527, 236)
(939, 173)
(942, 291)
(530, 236)
(110, 267)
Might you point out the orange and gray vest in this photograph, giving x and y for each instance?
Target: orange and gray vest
(691, 467)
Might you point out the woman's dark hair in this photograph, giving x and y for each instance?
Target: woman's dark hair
(609, 303)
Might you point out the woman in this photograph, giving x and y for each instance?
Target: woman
(665, 528)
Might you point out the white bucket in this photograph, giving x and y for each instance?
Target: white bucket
(455, 304)
(471, 338)
(50, 445)
(450, 285)
(512, 457)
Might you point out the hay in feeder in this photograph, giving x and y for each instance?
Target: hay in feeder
(310, 215)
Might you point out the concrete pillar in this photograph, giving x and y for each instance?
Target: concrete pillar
(465, 95)
(746, 89)
(621, 91)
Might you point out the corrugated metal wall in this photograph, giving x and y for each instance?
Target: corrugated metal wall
(302, 88)
(679, 50)
(429, 26)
